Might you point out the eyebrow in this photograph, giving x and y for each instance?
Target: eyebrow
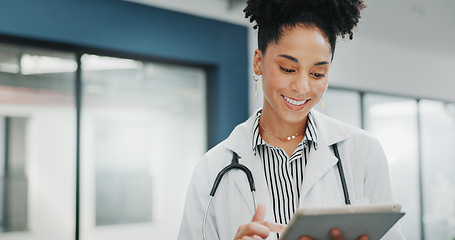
(321, 63)
(297, 61)
(289, 57)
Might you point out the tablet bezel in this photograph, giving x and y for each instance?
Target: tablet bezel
(377, 220)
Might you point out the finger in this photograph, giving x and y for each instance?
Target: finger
(363, 237)
(305, 238)
(252, 229)
(335, 233)
(259, 215)
(251, 238)
(274, 227)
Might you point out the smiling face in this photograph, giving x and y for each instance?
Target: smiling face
(294, 74)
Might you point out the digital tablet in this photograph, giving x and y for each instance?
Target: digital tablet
(352, 220)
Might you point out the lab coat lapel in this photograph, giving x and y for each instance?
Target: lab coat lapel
(322, 159)
(320, 162)
(254, 164)
(240, 142)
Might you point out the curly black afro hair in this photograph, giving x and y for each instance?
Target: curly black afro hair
(333, 17)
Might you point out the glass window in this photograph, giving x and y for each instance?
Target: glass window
(13, 180)
(438, 154)
(393, 121)
(37, 143)
(143, 130)
(343, 105)
(9, 59)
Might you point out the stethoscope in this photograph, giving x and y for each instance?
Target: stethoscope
(236, 165)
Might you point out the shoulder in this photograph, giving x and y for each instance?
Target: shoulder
(239, 141)
(217, 154)
(334, 130)
(360, 149)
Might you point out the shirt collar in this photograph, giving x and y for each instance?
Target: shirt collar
(311, 135)
(257, 139)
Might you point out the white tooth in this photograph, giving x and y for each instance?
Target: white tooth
(294, 102)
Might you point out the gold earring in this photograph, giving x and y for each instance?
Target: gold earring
(256, 79)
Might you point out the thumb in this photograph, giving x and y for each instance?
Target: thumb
(259, 215)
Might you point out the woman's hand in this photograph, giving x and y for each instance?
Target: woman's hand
(335, 234)
(258, 228)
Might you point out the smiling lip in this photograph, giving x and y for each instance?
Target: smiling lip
(294, 104)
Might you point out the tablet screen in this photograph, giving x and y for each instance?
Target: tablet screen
(353, 221)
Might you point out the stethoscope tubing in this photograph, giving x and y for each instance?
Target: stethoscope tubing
(234, 165)
(341, 172)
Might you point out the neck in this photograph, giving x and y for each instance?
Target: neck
(280, 128)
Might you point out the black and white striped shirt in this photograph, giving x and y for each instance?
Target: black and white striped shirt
(284, 174)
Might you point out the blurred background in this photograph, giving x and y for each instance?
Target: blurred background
(106, 106)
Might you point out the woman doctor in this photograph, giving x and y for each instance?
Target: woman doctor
(287, 144)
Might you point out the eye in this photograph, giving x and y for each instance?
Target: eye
(317, 75)
(287, 70)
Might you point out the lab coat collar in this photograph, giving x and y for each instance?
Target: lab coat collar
(239, 141)
(329, 132)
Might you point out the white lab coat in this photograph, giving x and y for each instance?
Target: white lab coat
(364, 163)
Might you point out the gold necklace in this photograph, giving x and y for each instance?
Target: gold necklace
(280, 138)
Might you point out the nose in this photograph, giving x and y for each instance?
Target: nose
(301, 84)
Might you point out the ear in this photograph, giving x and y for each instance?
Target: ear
(257, 62)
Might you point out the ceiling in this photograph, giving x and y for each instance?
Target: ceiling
(426, 25)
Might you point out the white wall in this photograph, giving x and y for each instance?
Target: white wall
(402, 47)
(378, 66)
